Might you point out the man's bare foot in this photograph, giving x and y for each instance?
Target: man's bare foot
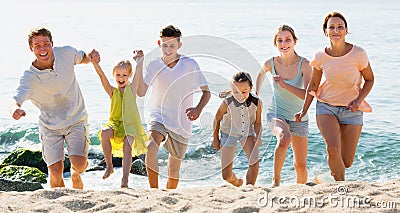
(76, 180)
(108, 172)
(238, 182)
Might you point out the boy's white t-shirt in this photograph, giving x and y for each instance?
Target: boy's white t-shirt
(55, 91)
(172, 92)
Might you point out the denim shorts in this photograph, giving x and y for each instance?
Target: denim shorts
(299, 129)
(231, 141)
(342, 113)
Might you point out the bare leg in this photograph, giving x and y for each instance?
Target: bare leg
(126, 161)
(300, 146)
(330, 130)
(350, 136)
(174, 166)
(281, 130)
(252, 154)
(106, 135)
(151, 158)
(56, 174)
(227, 155)
(78, 166)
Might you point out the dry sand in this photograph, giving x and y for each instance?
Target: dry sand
(326, 197)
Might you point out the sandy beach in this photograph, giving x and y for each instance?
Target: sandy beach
(327, 197)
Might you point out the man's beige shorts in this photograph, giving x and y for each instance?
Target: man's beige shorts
(76, 138)
(175, 144)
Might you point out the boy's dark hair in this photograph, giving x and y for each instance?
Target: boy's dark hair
(39, 31)
(171, 31)
(242, 77)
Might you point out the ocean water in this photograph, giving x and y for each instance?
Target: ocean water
(223, 36)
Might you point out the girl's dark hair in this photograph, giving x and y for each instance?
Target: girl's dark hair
(242, 77)
(237, 77)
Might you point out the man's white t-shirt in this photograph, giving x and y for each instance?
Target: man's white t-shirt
(172, 92)
(55, 91)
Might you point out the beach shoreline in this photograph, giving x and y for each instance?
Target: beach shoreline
(354, 196)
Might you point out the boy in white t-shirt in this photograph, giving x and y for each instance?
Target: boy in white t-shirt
(173, 78)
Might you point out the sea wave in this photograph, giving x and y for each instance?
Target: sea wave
(376, 157)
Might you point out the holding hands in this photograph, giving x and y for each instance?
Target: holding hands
(138, 56)
(94, 56)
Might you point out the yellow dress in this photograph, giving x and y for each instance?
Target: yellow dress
(125, 120)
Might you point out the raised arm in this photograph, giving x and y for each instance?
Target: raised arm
(222, 110)
(95, 59)
(312, 87)
(138, 85)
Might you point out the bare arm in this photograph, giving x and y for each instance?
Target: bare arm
(261, 76)
(138, 81)
(194, 113)
(299, 92)
(95, 59)
(368, 76)
(257, 123)
(205, 97)
(86, 58)
(222, 110)
(138, 85)
(312, 87)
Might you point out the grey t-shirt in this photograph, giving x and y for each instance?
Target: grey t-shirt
(55, 91)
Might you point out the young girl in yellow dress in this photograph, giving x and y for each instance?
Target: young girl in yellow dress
(123, 135)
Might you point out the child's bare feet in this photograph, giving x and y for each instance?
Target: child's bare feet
(108, 172)
(238, 182)
(274, 184)
(124, 183)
